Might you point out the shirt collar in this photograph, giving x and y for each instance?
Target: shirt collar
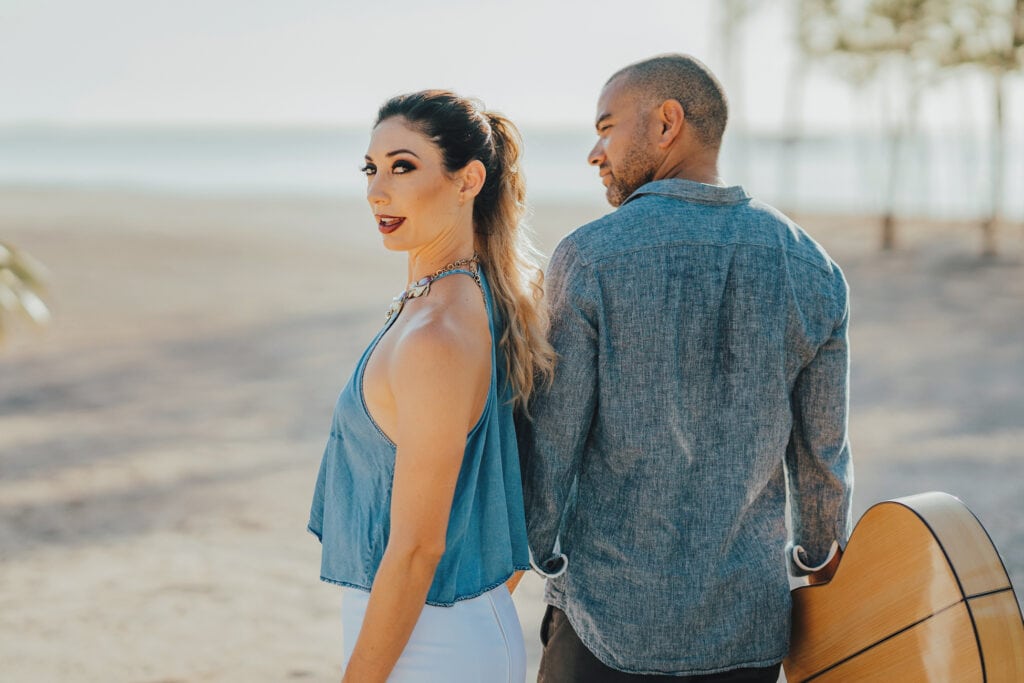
(693, 191)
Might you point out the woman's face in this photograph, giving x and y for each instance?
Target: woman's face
(414, 199)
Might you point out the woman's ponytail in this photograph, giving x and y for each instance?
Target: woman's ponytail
(517, 280)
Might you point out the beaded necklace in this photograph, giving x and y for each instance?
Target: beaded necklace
(422, 286)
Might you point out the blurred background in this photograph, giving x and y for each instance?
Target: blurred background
(188, 273)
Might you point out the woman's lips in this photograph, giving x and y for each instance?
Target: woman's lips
(388, 224)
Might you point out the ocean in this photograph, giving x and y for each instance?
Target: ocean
(940, 176)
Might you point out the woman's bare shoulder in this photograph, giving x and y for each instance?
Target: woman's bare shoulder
(448, 331)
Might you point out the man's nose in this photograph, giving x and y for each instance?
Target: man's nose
(596, 156)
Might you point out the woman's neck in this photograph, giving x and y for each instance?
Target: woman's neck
(431, 258)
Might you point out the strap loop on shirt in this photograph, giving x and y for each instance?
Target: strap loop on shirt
(549, 573)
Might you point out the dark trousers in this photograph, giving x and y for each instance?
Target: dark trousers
(567, 660)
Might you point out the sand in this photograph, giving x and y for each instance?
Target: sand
(159, 441)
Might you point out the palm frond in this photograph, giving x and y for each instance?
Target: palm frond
(22, 285)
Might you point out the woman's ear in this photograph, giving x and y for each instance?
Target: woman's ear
(672, 118)
(472, 179)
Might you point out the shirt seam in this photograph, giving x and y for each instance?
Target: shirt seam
(626, 252)
(693, 200)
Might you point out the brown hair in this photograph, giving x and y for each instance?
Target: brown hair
(464, 132)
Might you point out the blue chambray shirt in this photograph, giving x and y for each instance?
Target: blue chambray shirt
(702, 375)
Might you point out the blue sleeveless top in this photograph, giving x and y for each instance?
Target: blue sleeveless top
(351, 511)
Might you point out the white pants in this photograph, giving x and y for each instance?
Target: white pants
(474, 641)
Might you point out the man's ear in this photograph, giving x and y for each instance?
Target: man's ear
(472, 179)
(671, 118)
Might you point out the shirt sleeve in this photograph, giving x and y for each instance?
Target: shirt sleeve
(552, 442)
(818, 461)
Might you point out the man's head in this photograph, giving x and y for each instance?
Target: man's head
(662, 117)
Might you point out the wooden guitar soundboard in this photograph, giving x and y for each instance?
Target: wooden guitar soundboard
(920, 594)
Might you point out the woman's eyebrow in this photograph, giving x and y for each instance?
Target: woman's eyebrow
(391, 154)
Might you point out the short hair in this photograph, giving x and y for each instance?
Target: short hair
(688, 81)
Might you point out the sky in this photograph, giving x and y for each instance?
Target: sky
(332, 62)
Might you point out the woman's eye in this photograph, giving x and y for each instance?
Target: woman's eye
(400, 167)
(369, 170)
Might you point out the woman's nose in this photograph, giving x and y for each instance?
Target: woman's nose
(376, 192)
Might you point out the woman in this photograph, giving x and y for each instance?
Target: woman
(418, 503)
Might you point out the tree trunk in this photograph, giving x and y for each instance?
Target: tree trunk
(895, 136)
(792, 132)
(997, 155)
(730, 24)
(897, 142)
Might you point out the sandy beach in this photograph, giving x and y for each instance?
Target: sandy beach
(160, 439)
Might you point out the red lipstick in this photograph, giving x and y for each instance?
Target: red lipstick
(388, 224)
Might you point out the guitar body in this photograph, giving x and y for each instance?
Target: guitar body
(920, 594)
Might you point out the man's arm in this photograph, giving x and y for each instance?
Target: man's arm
(818, 461)
(551, 444)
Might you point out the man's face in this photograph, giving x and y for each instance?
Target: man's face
(624, 152)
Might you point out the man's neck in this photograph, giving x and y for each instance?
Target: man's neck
(701, 167)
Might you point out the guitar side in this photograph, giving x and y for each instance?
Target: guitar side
(920, 594)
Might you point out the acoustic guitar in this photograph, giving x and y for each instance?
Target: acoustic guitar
(920, 594)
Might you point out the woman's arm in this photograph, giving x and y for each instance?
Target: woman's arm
(434, 375)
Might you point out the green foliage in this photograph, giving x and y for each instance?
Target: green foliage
(933, 34)
(920, 40)
(21, 286)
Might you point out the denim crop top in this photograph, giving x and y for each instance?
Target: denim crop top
(351, 512)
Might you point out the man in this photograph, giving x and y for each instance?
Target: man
(702, 342)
